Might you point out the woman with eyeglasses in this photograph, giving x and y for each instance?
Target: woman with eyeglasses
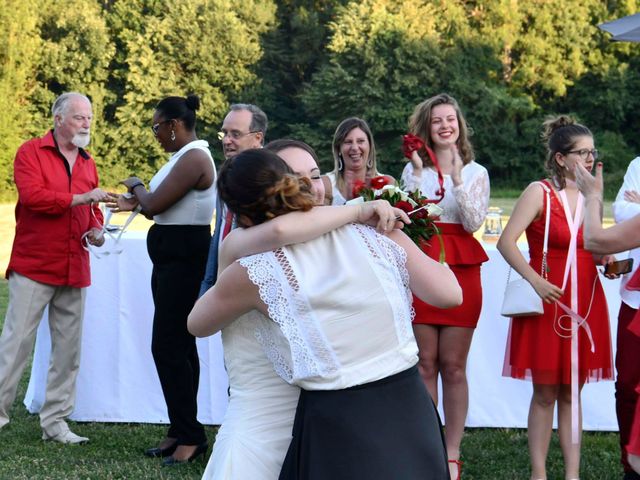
(539, 348)
(180, 200)
(354, 154)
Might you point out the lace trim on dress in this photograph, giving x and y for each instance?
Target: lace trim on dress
(395, 281)
(278, 287)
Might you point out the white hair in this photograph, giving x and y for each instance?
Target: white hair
(61, 104)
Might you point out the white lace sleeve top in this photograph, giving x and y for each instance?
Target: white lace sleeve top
(340, 323)
(196, 207)
(467, 203)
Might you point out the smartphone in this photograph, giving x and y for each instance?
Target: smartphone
(619, 268)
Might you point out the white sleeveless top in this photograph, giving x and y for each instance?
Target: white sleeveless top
(338, 199)
(196, 207)
(339, 323)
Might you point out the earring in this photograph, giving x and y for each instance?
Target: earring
(173, 136)
(370, 163)
(340, 165)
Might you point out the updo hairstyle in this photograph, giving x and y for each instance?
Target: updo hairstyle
(180, 108)
(258, 185)
(560, 135)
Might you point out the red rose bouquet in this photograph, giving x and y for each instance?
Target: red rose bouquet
(422, 211)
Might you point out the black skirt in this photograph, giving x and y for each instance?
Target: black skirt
(383, 430)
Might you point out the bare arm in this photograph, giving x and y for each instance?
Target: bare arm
(430, 281)
(193, 171)
(618, 238)
(526, 210)
(297, 227)
(232, 296)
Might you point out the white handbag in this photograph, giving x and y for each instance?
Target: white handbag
(520, 298)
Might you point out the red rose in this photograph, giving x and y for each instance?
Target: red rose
(422, 213)
(379, 182)
(402, 205)
(358, 185)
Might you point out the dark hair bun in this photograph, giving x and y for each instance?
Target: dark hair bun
(259, 185)
(552, 124)
(193, 102)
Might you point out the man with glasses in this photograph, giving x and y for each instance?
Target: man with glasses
(244, 127)
(57, 184)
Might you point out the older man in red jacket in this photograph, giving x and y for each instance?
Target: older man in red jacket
(57, 210)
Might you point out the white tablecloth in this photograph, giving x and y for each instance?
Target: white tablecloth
(118, 381)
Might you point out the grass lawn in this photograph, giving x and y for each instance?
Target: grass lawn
(115, 450)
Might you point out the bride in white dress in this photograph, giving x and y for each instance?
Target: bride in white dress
(341, 329)
(256, 430)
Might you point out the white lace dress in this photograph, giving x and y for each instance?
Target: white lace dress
(256, 430)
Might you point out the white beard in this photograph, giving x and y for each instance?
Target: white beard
(81, 140)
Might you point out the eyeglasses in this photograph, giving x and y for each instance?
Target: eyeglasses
(156, 127)
(583, 153)
(234, 134)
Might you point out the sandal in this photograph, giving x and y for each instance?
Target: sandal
(458, 464)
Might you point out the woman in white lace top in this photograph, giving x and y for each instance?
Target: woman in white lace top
(444, 336)
(363, 410)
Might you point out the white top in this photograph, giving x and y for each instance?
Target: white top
(338, 199)
(256, 431)
(338, 323)
(467, 203)
(196, 207)
(623, 210)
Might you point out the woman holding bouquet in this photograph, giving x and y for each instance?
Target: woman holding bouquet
(354, 155)
(444, 336)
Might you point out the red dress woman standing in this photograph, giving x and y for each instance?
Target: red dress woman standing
(444, 336)
(539, 348)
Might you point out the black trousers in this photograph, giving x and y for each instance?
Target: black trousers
(179, 256)
(383, 430)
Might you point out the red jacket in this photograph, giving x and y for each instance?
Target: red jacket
(47, 247)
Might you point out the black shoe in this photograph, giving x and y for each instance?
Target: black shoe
(200, 450)
(157, 452)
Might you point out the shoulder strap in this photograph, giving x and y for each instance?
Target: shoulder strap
(328, 190)
(547, 219)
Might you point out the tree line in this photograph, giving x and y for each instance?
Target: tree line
(311, 63)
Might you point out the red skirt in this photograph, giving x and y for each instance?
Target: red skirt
(464, 255)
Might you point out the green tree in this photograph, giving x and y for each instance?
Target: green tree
(19, 48)
(173, 48)
(293, 51)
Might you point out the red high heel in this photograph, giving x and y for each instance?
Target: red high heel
(459, 465)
